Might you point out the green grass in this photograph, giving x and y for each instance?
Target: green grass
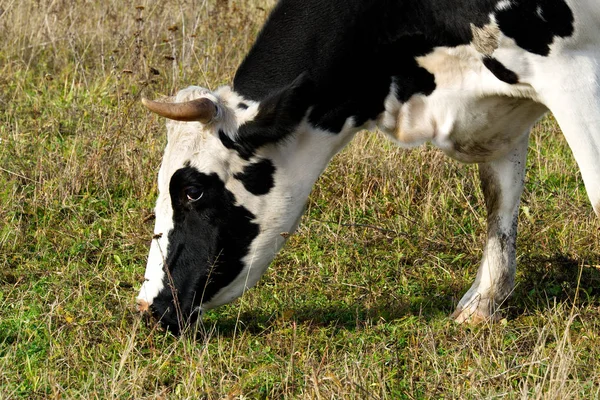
(355, 306)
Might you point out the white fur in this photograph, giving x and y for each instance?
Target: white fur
(504, 5)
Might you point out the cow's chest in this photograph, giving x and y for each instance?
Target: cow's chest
(468, 129)
(485, 129)
(471, 115)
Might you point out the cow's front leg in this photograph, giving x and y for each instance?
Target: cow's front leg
(502, 184)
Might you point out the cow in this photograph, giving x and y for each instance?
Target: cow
(469, 76)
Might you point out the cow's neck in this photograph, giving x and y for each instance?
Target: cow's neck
(299, 161)
(303, 156)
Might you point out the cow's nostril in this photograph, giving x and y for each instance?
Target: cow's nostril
(142, 306)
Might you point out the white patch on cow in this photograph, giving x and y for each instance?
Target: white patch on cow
(235, 116)
(154, 274)
(574, 99)
(405, 123)
(504, 5)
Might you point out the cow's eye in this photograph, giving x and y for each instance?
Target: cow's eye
(193, 193)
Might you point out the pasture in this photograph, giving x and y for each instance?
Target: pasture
(357, 303)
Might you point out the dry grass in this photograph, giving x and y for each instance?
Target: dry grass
(356, 305)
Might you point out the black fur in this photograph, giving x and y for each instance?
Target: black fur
(500, 71)
(258, 178)
(206, 246)
(533, 32)
(229, 143)
(278, 116)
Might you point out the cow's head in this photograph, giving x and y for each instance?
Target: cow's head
(233, 183)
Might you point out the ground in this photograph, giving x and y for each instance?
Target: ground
(357, 304)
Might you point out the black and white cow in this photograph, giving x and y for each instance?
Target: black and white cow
(469, 76)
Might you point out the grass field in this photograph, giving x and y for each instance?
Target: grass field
(355, 306)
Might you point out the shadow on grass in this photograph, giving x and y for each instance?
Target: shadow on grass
(542, 281)
(337, 317)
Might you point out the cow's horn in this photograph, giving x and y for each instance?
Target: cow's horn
(202, 109)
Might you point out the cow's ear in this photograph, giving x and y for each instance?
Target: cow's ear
(279, 114)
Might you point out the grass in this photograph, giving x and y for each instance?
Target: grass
(357, 304)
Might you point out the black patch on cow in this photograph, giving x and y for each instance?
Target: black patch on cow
(257, 178)
(209, 239)
(226, 140)
(500, 71)
(534, 24)
(278, 114)
(229, 143)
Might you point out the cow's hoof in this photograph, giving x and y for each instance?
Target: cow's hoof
(465, 315)
(475, 308)
(474, 316)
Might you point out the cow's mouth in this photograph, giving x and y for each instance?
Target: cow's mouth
(142, 306)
